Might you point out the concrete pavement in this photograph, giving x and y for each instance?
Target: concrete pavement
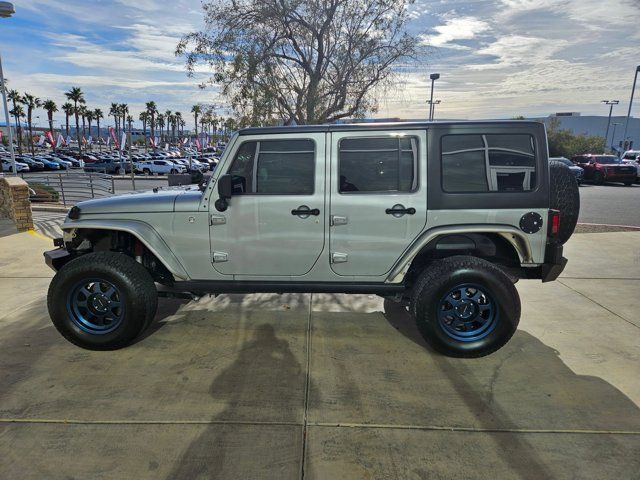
(332, 386)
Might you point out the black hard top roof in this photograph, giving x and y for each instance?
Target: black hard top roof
(340, 127)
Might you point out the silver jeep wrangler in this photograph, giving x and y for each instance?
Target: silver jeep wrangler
(443, 217)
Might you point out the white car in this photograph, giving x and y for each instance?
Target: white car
(7, 166)
(632, 157)
(159, 167)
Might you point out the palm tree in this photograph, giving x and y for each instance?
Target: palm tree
(178, 116)
(50, 107)
(160, 122)
(144, 118)
(182, 125)
(67, 108)
(76, 96)
(124, 110)
(15, 98)
(152, 110)
(31, 103)
(82, 111)
(97, 114)
(89, 115)
(196, 110)
(167, 118)
(115, 111)
(18, 113)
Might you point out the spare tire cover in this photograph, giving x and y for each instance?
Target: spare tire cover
(564, 196)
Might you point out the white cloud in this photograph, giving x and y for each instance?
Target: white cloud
(512, 50)
(458, 28)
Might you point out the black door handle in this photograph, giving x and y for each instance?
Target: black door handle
(400, 211)
(303, 210)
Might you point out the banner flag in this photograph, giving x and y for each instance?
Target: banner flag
(198, 145)
(112, 134)
(166, 146)
(49, 136)
(123, 143)
(41, 141)
(90, 140)
(68, 140)
(60, 141)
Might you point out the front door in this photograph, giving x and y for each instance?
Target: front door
(274, 225)
(378, 198)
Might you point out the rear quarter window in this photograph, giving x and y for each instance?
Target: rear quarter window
(477, 163)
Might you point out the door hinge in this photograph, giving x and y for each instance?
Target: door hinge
(217, 219)
(220, 257)
(338, 220)
(337, 257)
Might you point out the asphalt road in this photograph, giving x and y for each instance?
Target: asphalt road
(612, 204)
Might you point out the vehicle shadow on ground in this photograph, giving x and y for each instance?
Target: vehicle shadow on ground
(522, 382)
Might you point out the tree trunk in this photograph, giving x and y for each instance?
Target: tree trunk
(77, 128)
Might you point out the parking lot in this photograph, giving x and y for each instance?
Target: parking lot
(327, 386)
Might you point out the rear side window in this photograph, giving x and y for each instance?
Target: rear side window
(385, 164)
(488, 163)
(276, 167)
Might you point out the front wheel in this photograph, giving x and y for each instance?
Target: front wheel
(628, 184)
(465, 306)
(598, 179)
(102, 301)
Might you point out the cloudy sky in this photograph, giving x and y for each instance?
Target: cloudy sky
(497, 58)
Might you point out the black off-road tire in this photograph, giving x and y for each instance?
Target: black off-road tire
(564, 195)
(446, 274)
(137, 288)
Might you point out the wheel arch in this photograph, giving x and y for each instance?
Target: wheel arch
(503, 244)
(97, 231)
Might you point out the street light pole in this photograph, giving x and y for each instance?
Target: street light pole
(633, 88)
(433, 107)
(6, 10)
(433, 77)
(613, 136)
(611, 103)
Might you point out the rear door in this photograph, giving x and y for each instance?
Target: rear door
(378, 198)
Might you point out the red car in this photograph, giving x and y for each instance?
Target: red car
(605, 168)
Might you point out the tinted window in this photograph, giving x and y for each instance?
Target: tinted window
(386, 164)
(284, 167)
(488, 163)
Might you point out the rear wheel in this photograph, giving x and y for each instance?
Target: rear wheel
(146, 171)
(102, 301)
(628, 184)
(465, 306)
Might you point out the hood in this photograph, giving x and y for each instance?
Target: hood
(134, 202)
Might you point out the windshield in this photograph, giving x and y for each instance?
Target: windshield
(607, 159)
(565, 161)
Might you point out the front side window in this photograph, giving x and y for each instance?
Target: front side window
(280, 167)
(378, 164)
(488, 163)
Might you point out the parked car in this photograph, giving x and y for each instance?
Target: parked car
(160, 167)
(34, 165)
(632, 157)
(7, 166)
(48, 164)
(605, 168)
(444, 227)
(577, 171)
(108, 166)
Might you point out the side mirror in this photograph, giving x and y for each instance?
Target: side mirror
(225, 191)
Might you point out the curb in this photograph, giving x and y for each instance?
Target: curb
(49, 208)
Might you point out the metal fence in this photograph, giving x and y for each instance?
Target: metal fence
(68, 188)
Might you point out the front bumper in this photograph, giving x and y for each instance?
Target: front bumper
(57, 258)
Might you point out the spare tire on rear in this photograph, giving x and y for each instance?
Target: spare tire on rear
(564, 196)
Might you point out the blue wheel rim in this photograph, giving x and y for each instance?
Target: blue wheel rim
(96, 306)
(467, 313)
